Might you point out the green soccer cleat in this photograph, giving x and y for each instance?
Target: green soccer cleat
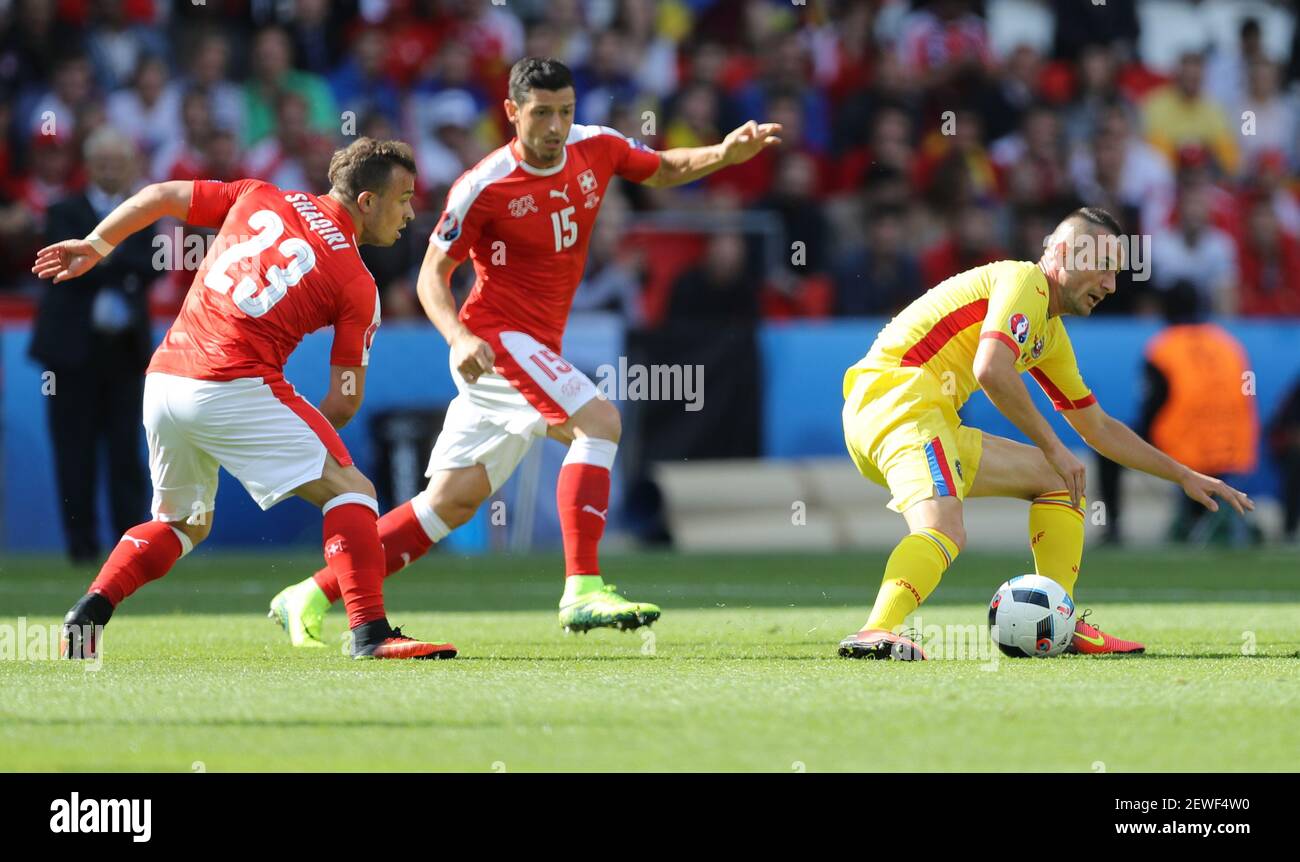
(603, 607)
(299, 610)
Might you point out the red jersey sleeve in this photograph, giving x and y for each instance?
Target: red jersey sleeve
(462, 219)
(631, 159)
(212, 199)
(356, 324)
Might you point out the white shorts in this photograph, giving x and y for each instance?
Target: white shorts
(493, 423)
(266, 435)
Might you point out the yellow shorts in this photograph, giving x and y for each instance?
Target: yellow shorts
(905, 434)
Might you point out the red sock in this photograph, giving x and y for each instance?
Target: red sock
(144, 554)
(582, 498)
(353, 554)
(404, 538)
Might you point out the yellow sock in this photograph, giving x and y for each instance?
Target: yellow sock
(1056, 537)
(912, 573)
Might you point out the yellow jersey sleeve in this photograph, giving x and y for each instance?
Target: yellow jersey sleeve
(1057, 371)
(1017, 312)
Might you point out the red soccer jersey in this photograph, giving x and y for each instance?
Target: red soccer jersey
(282, 265)
(527, 229)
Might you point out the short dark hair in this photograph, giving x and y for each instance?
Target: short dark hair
(537, 73)
(366, 165)
(1098, 217)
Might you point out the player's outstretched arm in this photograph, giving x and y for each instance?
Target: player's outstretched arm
(73, 257)
(995, 370)
(347, 389)
(687, 164)
(1114, 440)
(473, 356)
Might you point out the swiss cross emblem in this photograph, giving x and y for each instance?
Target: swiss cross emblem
(587, 181)
(520, 207)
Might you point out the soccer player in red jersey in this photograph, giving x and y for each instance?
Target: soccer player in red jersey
(284, 264)
(524, 215)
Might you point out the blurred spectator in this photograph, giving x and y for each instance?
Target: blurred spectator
(1121, 172)
(612, 280)
(1196, 252)
(1033, 161)
(208, 73)
(971, 242)
(1227, 71)
(880, 276)
(1272, 121)
(803, 220)
(1197, 411)
(451, 70)
(278, 159)
(117, 46)
(274, 75)
(1097, 94)
(1012, 93)
(1080, 25)
(1270, 265)
(182, 156)
(604, 79)
(31, 40)
(54, 175)
(316, 43)
(721, 288)
(652, 54)
(1284, 443)
(694, 118)
(447, 148)
(93, 333)
(784, 72)
(954, 164)
(1179, 114)
(944, 49)
(55, 110)
(361, 84)
(147, 110)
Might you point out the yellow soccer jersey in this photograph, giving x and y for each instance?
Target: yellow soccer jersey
(942, 328)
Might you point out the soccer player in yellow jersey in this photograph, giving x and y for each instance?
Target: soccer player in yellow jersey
(982, 329)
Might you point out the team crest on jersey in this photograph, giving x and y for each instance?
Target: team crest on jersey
(449, 227)
(1037, 350)
(1019, 325)
(957, 466)
(520, 207)
(593, 201)
(587, 181)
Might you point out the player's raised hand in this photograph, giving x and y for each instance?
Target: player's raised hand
(1071, 471)
(473, 356)
(749, 140)
(1203, 489)
(65, 260)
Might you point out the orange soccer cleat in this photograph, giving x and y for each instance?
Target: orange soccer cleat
(393, 644)
(1089, 640)
(880, 644)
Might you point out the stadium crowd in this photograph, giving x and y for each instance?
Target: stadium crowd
(920, 138)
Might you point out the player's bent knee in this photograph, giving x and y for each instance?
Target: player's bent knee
(457, 512)
(196, 533)
(600, 419)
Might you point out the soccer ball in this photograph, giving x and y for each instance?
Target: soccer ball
(1032, 616)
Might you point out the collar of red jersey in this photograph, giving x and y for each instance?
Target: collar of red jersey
(340, 214)
(515, 150)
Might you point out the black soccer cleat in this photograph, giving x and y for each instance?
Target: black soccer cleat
(83, 627)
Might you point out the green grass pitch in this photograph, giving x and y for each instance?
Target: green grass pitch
(740, 674)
